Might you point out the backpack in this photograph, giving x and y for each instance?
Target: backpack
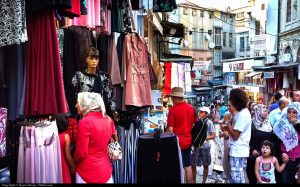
(199, 133)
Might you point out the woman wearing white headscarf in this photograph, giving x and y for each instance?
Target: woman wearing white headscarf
(95, 130)
(288, 131)
(261, 131)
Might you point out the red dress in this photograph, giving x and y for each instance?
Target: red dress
(64, 164)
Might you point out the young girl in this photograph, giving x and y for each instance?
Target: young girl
(66, 158)
(266, 163)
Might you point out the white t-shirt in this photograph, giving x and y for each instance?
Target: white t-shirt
(240, 147)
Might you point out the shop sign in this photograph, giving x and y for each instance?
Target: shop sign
(237, 66)
(269, 75)
(254, 89)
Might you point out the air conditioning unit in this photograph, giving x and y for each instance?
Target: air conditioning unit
(287, 57)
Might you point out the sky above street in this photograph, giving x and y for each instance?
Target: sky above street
(219, 4)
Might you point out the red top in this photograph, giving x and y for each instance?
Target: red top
(93, 135)
(64, 165)
(181, 117)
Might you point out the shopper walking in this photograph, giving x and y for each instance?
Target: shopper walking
(181, 118)
(201, 155)
(239, 136)
(95, 130)
(230, 116)
(261, 130)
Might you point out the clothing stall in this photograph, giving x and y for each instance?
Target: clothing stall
(44, 45)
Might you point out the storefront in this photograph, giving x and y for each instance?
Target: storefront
(238, 73)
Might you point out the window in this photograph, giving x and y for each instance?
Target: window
(218, 37)
(288, 10)
(230, 39)
(201, 14)
(195, 38)
(240, 24)
(257, 27)
(262, 6)
(231, 18)
(202, 40)
(194, 13)
(185, 11)
(224, 18)
(240, 15)
(224, 39)
(247, 43)
(242, 44)
(210, 16)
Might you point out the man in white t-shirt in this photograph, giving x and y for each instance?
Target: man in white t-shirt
(239, 136)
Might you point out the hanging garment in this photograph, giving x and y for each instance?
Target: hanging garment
(87, 20)
(14, 59)
(83, 7)
(105, 17)
(72, 12)
(117, 20)
(114, 70)
(12, 21)
(3, 123)
(188, 79)
(135, 4)
(158, 159)
(181, 74)
(50, 4)
(168, 75)
(285, 81)
(44, 84)
(137, 66)
(128, 17)
(164, 5)
(174, 76)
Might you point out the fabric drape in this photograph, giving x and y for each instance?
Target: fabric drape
(44, 83)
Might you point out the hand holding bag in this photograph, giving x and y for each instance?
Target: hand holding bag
(114, 151)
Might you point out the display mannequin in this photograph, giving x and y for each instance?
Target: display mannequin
(92, 80)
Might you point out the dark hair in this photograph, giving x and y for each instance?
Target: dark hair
(238, 98)
(278, 96)
(270, 144)
(61, 122)
(292, 93)
(92, 51)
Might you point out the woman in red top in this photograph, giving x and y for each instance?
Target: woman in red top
(95, 130)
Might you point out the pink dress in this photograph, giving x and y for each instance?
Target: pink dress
(65, 168)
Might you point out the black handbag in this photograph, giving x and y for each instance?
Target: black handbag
(199, 133)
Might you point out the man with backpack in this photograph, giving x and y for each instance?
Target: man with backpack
(202, 131)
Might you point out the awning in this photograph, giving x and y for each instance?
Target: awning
(202, 88)
(268, 68)
(252, 74)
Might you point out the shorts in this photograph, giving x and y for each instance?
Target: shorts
(186, 157)
(201, 156)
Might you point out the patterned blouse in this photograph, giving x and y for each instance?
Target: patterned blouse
(99, 83)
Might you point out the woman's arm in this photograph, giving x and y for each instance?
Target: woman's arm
(68, 154)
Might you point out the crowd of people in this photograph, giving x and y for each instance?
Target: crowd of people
(261, 144)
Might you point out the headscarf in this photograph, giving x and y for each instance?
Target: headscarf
(90, 101)
(285, 130)
(260, 121)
